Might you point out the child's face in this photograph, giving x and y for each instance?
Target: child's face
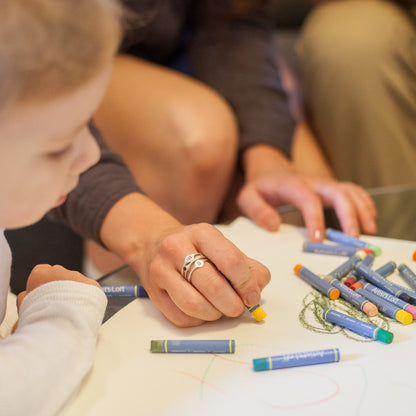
(43, 150)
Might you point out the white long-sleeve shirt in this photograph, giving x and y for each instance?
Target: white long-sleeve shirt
(43, 363)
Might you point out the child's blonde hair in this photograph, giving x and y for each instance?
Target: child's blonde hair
(51, 47)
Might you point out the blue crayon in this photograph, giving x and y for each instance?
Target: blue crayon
(316, 282)
(379, 281)
(340, 237)
(125, 291)
(347, 266)
(389, 298)
(357, 326)
(387, 269)
(332, 249)
(221, 346)
(297, 359)
(353, 276)
(386, 307)
(353, 297)
(409, 292)
(408, 275)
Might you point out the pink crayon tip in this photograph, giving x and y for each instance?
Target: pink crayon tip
(412, 310)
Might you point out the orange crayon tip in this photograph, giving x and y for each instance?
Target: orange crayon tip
(367, 250)
(297, 267)
(334, 294)
(356, 285)
(349, 281)
(414, 256)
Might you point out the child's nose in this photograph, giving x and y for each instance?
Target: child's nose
(88, 154)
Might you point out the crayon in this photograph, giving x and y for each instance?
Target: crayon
(414, 256)
(257, 312)
(331, 249)
(357, 326)
(408, 275)
(384, 271)
(409, 292)
(296, 360)
(125, 291)
(379, 281)
(225, 346)
(386, 307)
(353, 276)
(316, 282)
(387, 269)
(389, 298)
(340, 237)
(347, 266)
(353, 297)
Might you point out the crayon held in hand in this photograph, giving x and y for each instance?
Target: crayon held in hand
(257, 312)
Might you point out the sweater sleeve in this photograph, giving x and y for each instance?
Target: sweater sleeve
(44, 361)
(99, 188)
(237, 57)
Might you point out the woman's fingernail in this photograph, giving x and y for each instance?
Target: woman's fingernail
(252, 299)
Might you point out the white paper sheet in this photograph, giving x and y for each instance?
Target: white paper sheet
(371, 378)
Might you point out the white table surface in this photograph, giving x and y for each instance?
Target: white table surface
(371, 378)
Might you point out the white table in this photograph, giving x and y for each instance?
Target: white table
(371, 378)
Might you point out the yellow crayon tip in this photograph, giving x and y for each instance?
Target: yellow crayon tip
(297, 267)
(259, 314)
(404, 317)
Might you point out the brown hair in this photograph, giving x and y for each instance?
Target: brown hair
(49, 48)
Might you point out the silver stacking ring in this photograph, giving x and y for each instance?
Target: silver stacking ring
(192, 262)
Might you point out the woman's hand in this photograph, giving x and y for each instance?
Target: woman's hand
(155, 245)
(271, 181)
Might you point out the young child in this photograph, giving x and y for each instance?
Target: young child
(55, 61)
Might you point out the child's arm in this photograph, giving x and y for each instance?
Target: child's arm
(44, 361)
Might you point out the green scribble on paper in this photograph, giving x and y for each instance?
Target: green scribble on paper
(313, 306)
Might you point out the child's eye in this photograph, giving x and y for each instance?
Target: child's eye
(60, 153)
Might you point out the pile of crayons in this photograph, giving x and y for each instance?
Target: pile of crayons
(364, 288)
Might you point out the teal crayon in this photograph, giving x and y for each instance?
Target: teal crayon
(220, 346)
(296, 360)
(359, 327)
